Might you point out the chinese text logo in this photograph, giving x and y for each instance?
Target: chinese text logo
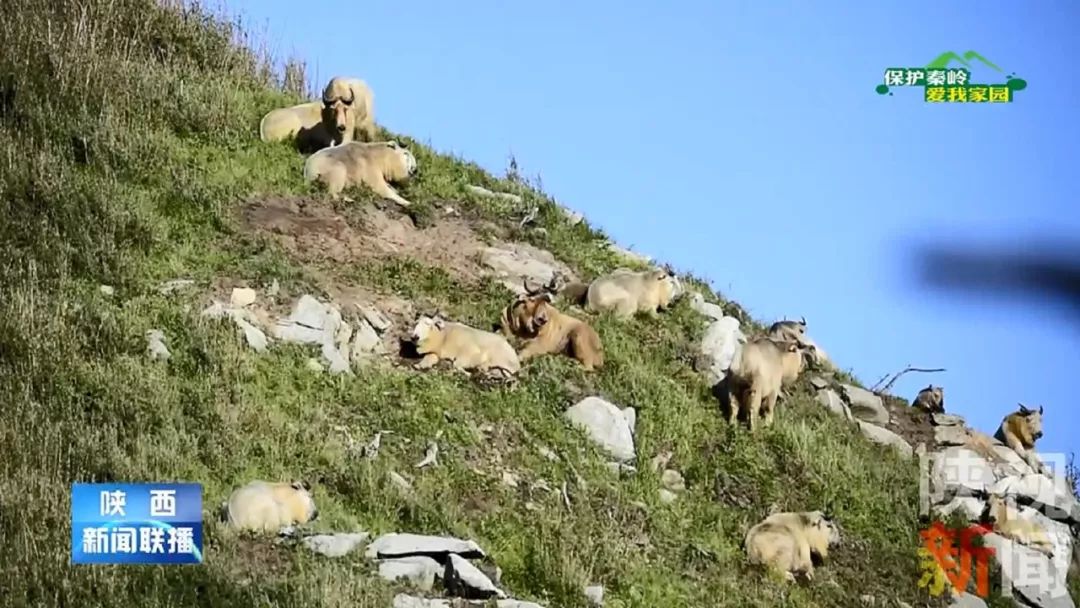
(942, 84)
(950, 557)
(136, 523)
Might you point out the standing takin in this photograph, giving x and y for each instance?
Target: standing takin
(349, 109)
(761, 369)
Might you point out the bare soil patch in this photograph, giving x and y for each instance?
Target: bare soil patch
(314, 231)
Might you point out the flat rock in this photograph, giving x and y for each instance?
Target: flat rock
(408, 545)
(831, 400)
(968, 600)
(513, 263)
(375, 318)
(884, 436)
(866, 406)
(335, 545)
(940, 419)
(819, 383)
(419, 570)
(951, 435)
(463, 579)
(606, 425)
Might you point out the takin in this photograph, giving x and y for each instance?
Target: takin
(466, 347)
(547, 330)
(757, 374)
(374, 165)
(787, 543)
(269, 506)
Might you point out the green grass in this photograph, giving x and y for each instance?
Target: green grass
(128, 137)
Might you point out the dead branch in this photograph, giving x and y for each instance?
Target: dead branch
(897, 375)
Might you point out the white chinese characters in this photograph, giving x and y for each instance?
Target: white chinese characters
(113, 503)
(141, 539)
(162, 503)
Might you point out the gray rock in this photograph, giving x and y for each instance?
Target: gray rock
(719, 346)
(1032, 577)
(375, 318)
(408, 545)
(313, 322)
(606, 425)
(968, 600)
(366, 341)
(595, 594)
(819, 383)
(706, 309)
(946, 419)
(866, 406)
(463, 579)
(335, 545)
(834, 403)
(155, 345)
(243, 319)
(513, 263)
(419, 570)
(667, 496)
(884, 436)
(107, 290)
(951, 435)
(960, 471)
(506, 196)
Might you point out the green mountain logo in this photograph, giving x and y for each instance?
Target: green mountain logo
(946, 58)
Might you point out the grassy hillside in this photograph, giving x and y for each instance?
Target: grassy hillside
(129, 156)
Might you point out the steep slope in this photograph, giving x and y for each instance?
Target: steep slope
(130, 159)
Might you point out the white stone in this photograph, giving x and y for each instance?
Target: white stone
(866, 406)
(155, 345)
(884, 436)
(468, 580)
(335, 545)
(595, 594)
(706, 309)
(404, 544)
(242, 296)
(419, 570)
(606, 425)
(719, 347)
(834, 403)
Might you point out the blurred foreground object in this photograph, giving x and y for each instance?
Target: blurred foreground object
(1034, 271)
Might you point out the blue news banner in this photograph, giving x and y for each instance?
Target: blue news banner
(136, 523)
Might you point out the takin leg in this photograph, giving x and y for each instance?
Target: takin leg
(378, 184)
(428, 361)
(753, 406)
(769, 408)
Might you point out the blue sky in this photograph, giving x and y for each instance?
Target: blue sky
(744, 142)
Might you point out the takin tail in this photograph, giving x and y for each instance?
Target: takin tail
(575, 293)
